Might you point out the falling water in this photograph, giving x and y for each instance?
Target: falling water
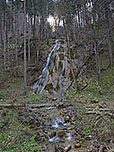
(45, 76)
(58, 122)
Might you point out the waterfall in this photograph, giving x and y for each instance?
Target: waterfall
(41, 83)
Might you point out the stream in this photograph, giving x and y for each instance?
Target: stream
(58, 128)
(55, 127)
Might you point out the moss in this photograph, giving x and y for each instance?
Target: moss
(94, 91)
(35, 98)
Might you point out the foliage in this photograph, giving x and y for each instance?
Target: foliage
(95, 92)
(3, 93)
(25, 146)
(3, 96)
(13, 136)
(34, 98)
(85, 131)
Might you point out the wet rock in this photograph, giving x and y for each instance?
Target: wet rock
(69, 136)
(58, 122)
(96, 144)
(60, 106)
(102, 148)
(77, 145)
(88, 137)
(54, 99)
(52, 134)
(54, 139)
(41, 137)
(61, 133)
(68, 148)
(67, 119)
(58, 148)
(48, 124)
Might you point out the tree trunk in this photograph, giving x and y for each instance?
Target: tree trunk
(16, 37)
(0, 27)
(29, 36)
(98, 66)
(108, 16)
(25, 70)
(110, 41)
(4, 28)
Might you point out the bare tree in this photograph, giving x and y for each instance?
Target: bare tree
(25, 70)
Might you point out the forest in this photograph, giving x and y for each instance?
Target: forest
(56, 76)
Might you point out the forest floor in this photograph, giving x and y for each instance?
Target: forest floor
(75, 122)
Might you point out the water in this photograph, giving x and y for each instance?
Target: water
(58, 123)
(69, 137)
(54, 139)
(40, 85)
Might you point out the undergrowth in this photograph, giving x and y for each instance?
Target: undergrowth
(15, 136)
(94, 91)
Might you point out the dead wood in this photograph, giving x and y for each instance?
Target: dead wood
(60, 105)
(11, 105)
(101, 113)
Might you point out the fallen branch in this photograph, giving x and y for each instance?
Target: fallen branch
(100, 109)
(60, 105)
(84, 87)
(94, 112)
(11, 105)
(100, 113)
(25, 105)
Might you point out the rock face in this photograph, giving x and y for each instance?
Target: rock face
(53, 74)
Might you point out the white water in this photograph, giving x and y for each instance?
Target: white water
(43, 78)
(54, 139)
(40, 85)
(58, 122)
(69, 136)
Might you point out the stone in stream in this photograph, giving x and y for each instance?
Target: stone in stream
(102, 148)
(41, 136)
(68, 148)
(61, 133)
(54, 139)
(69, 137)
(89, 137)
(60, 106)
(52, 134)
(58, 123)
(77, 145)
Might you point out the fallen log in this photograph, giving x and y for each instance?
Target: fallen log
(100, 113)
(25, 105)
(11, 105)
(60, 105)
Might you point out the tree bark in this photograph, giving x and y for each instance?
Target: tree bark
(25, 70)
(4, 42)
(16, 37)
(110, 42)
(29, 36)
